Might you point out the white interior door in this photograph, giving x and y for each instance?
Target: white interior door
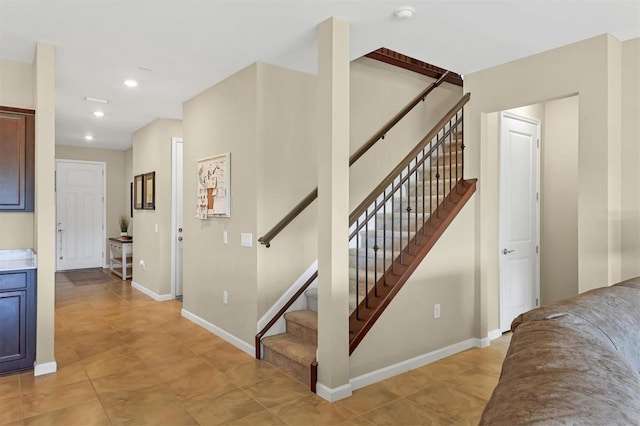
(80, 215)
(177, 214)
(519, 217)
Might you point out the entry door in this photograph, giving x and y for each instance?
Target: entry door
(519, 217)
(79, 211)
(177, 212)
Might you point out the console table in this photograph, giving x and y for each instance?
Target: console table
(121, 257)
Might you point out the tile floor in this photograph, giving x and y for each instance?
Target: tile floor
(126, 359)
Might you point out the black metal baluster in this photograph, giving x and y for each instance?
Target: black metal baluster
(437, 176)
(384, 236)
(357, 265)
(375, 248)
(393, 213)
(450, 156)
(366, 260)
(408, 211)
(400, 211)
(457, 124)
(462, 147)
(430, 184)
(423, 185)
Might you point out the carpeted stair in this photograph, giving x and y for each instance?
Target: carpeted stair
(295, 350)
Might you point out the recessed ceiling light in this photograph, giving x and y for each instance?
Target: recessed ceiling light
(405, 12)
(98, 100)
(98, 113)
(88, 137)
(130, 83)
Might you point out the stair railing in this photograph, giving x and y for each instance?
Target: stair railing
(379, 135)
(374, 236)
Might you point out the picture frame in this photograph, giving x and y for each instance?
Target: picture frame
(214, 186)
(149, 191)
(138, 191)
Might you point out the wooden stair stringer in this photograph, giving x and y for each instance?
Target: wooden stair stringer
(412, 256)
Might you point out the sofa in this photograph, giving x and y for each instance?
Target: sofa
(574, 362)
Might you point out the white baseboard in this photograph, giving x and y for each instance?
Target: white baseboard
(45, 368)
(334, 394)
(152, 294)
(486, 341)
(225, 335)
(412, 363)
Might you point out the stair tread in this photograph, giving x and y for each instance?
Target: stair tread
(291, 347)
(305, 318)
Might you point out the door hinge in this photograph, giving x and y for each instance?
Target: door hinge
(537, 303)
(537, 249)
(538, 143)
(537, 196)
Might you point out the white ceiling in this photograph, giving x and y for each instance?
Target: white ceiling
(190, 45)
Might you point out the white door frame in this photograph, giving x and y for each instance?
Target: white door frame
(536, 122)
(105, 262)
(174, 206)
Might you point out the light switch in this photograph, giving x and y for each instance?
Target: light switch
(156, 227)
(225, 239)
(246, 239)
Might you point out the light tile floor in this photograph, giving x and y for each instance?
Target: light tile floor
(126, 359)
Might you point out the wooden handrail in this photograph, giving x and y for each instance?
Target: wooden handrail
(282, 311)
(265, 240)
(362, 207)
(399, 116)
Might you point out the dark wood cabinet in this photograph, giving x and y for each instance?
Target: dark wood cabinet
(17, 320)
(17, 149)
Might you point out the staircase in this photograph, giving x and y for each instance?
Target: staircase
(390, 233)
(295, 350)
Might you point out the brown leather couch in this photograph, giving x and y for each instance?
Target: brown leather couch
(573, 362)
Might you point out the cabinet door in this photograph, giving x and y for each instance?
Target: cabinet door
(13, 332)
(16, 161)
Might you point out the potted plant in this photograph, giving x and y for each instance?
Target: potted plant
(124, 225)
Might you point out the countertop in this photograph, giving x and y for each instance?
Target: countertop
(17, 259)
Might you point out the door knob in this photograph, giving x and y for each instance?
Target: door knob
(179, 238)
(505, 251)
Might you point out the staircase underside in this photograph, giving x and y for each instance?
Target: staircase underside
(380, 295)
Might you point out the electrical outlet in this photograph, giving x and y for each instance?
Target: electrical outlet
(225, 297)
(246, 239)
(436, 311)
(143, 265)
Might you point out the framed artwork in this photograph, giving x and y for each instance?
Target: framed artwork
(138, 192)
(213, 193)
(149, 191)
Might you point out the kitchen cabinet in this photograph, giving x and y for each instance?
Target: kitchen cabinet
(17, 312)
(17, 153)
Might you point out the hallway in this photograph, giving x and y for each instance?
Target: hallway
(125, 359)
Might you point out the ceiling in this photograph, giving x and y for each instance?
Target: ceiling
(177, 48)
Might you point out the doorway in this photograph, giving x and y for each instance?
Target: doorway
(519, 216)
(176, 216)
(80, 215)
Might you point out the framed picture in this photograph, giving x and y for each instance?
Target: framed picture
(138, 192)
(149, 191)
(213, 192)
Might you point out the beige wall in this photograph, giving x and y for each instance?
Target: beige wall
(559, 201)
(128, 180)
(223, 119)
(16, 90)
(152, 152)
(287, 150)
(578, 68)
(630, 211)
(115, 177)
(44, 212)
